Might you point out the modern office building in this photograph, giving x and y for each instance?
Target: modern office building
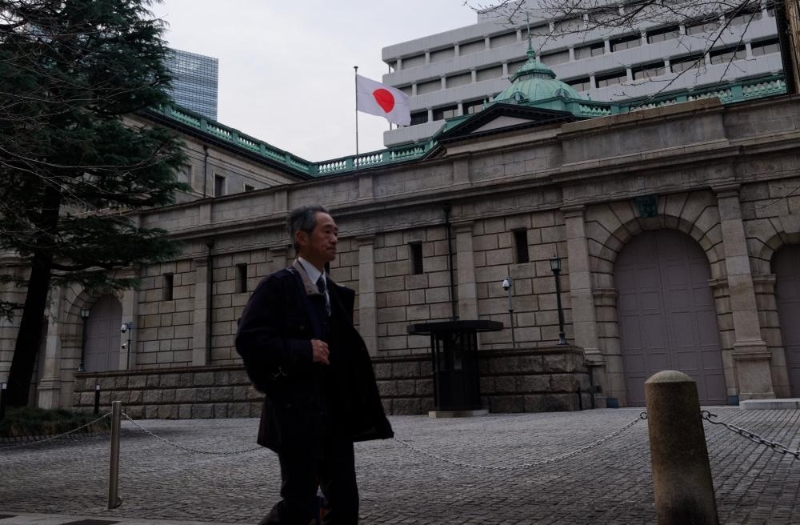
(195, 82)
(454, 73)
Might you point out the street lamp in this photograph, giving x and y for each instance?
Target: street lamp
(555, 266)
(508, 282)
(127, 328)
(85, 319)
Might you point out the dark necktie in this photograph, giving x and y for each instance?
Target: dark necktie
(324, 291)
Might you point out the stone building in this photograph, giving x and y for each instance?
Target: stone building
(678, 228)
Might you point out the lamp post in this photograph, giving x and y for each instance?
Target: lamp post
(126, 328)
(85, 319)
(508, 283)
(555, 266)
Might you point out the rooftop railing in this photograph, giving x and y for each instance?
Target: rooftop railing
(727, 93)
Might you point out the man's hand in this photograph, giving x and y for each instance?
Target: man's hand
(320, 351)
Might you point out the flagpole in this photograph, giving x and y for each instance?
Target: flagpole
(355, 78)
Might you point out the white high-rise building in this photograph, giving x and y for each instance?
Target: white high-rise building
(455, 72)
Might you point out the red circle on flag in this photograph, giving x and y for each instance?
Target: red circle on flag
(385, 99)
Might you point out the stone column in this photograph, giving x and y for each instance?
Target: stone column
(279, 258)
(467, 283)
(130, 311)
(200, 348)
(367, 300)
(584, 317)
(584, 320)
(49, 389)
(750, 353)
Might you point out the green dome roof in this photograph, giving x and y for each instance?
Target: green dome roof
(535, 81)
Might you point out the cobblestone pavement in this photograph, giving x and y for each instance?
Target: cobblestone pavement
(608, 484)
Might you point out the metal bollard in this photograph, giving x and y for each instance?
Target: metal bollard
(114, 500)
(682, 483)
(96, 399)
(3, 396)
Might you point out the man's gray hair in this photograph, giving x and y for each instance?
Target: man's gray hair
(303, 219)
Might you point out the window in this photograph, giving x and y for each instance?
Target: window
(649, 71)
(471, 47)
(241, 278)
(249, 187)
(219, 185)
(415, 250)
(581, 84)
(470, 108)
(552, 59)
(611, 79)
(682, 64)
(568, 25)
(590, 51)
(415, 61)
(723, 56)
(420, 117)
(489, 73)
(521, 245)
(503, 40)
(626, 42)
(406, 89)
(766, 47)
(665, 33)
(445, 112)
(745, 16)
(459, 80)
(168, 287)
(703, 26)
(429, 87)
(443, 54)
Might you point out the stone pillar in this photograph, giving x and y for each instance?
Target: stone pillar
(467, 283)
(130, 310)
(584, 320)
(279, 258)
(49, 389)
(750, 353)
(367, 300)
(200, 348)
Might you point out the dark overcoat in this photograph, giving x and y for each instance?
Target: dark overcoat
(274, 340)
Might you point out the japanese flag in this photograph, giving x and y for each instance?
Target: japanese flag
(378, 99)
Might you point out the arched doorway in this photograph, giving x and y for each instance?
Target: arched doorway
(786, 267)
(667, 319)
(103, 335)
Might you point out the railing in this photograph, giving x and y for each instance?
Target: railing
(740, 91)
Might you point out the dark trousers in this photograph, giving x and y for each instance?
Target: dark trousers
(302, 472)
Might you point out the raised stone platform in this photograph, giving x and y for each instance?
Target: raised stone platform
(770, 404)
(550, 379)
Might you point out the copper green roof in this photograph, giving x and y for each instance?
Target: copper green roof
(535, 82)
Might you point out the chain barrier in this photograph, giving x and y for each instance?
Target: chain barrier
(189, 449)
(539, 463)
(752, 436)
(52, 438)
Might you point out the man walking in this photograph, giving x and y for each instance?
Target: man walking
(300, 348)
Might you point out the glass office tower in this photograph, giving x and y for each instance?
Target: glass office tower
(195, 82)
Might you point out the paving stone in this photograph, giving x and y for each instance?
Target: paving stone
(607, 484)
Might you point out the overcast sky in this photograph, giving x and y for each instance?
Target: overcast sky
(286, 66)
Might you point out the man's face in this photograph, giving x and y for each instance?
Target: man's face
(319, 246)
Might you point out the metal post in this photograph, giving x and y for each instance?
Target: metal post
(114, 500)
(508, 283)
(3, 396)
(96, 399)
(562, 340)
(682, 484)
(85, 319)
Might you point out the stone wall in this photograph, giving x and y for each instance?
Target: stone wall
(539, 380)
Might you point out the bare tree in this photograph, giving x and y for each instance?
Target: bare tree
(711, 25)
